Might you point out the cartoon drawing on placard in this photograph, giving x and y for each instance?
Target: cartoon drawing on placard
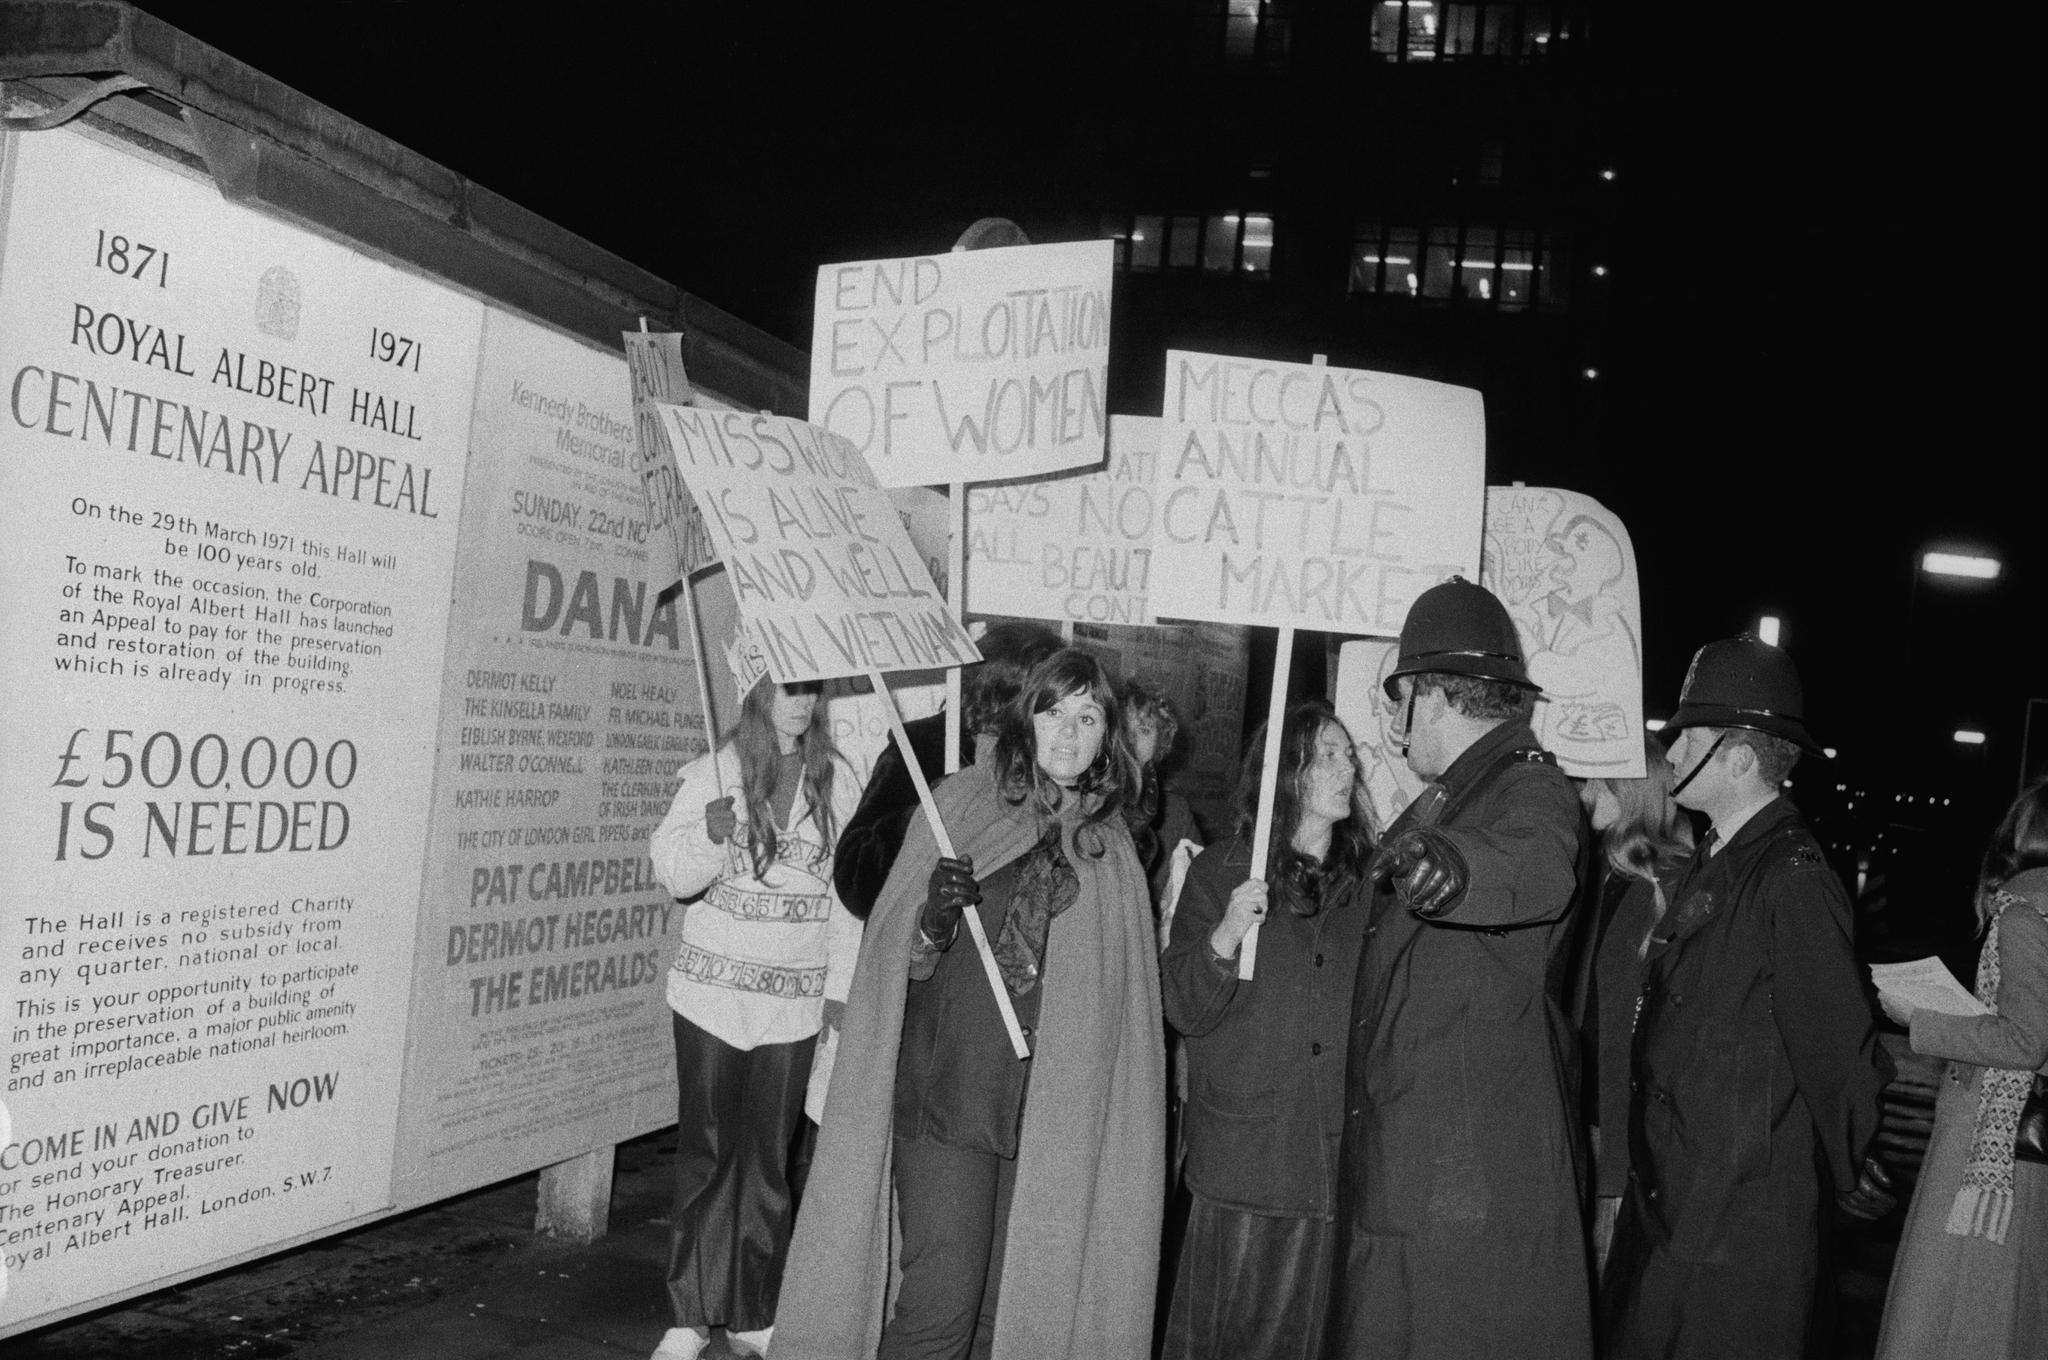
(1563, 565)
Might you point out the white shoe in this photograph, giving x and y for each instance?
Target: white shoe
(681, 1343)
(756, 1343)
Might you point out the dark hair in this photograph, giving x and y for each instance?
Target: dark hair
(1475, 697)
(1009, 651)
(1775, 755)
(1141, 701)
(1300, 882)
(1105, 783)
(1651, 837)
(760, 752)
(2019, 844)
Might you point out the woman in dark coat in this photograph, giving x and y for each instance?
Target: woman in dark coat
(1266, 1056)
(1645, 843)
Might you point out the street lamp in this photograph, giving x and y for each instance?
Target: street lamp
(1967, 566)
(1969, 736)
(1767, 628)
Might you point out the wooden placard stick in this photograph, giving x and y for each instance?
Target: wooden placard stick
(970, 917)
(956, 600)
(697, 657)
(1269, 776)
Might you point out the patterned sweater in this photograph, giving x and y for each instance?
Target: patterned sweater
(752, 962)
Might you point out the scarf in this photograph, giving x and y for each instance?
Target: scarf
(1983, 1206)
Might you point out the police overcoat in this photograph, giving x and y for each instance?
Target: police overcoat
(1459, 1228)
(1755, 1083)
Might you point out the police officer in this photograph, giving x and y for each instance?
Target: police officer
(1459, 1230)
(1756, 1071)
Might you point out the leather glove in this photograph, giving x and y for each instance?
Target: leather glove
(1872, 1197)
(719, 821)
(1429, 866)
(952, 890)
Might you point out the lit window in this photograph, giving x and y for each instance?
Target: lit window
(1214, 243)
(1429, 30)
(1511, 269)
(1148, 233)
(1258, 245)
(1246, 30)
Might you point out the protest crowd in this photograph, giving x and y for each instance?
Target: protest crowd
(1535, 1070)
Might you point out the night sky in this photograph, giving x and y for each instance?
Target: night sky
(1812, 341)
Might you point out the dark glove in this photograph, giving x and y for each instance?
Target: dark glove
(1872, 1197)
(1429, 866)
(952, 891)
(719, 821)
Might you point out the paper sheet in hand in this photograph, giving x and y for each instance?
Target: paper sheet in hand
(1926, 984)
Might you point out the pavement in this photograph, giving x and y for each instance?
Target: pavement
(469, 1279)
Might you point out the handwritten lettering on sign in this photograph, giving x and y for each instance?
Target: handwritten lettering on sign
(1320, 497)
(654, 359)
(820, 565)
(972, 366)
(1074, 547)
(1564, 566)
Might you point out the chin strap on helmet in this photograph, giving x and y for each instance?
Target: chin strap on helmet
(1408, 721)
(1701, 764)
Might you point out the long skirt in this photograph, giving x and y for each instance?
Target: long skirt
(1249, 1285)
(1967, 1298)
(738, 1112)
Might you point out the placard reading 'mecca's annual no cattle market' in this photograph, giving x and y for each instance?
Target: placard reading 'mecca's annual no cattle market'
(1315, 497)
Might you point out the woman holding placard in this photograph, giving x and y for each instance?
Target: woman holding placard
(1266, 1057)
(747, 988)
(1028, 1192)
(1971, 1279)
(1645, 843)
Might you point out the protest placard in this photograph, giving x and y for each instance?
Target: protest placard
(972, 366)
(1310, 496)
(820, 565)
(1564, 566)
(1078, 547)
(654, 359)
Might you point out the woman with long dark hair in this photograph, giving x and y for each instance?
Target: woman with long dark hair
(1028, 1192)
(747, 988)
(1644, 845)
(1971, 1278)
(1266, 1057)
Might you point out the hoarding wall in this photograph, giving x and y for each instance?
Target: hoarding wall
(340, 710)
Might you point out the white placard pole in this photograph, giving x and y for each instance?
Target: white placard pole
(1269, 775)
(971, 917)
(956, 600)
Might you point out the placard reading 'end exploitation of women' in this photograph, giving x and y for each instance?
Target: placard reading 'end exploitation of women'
(1316, 497)
(967, 367)
(1077, 547)
(820, 563)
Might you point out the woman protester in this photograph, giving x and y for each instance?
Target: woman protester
(1645, 843)
(1971, 1278)
(1159, 818)
(1266, 1057)
(752, 833)
(1029, 1192)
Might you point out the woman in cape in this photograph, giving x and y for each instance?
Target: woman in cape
(747, 988)
(1971, 1280)
(1644, 845)
(1266, 1056)
(1029, 1191)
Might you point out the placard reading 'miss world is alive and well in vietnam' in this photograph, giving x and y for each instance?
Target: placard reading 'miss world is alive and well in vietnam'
(233, 458)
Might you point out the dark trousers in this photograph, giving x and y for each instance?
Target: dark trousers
(737, 1114)
(955, 1207)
